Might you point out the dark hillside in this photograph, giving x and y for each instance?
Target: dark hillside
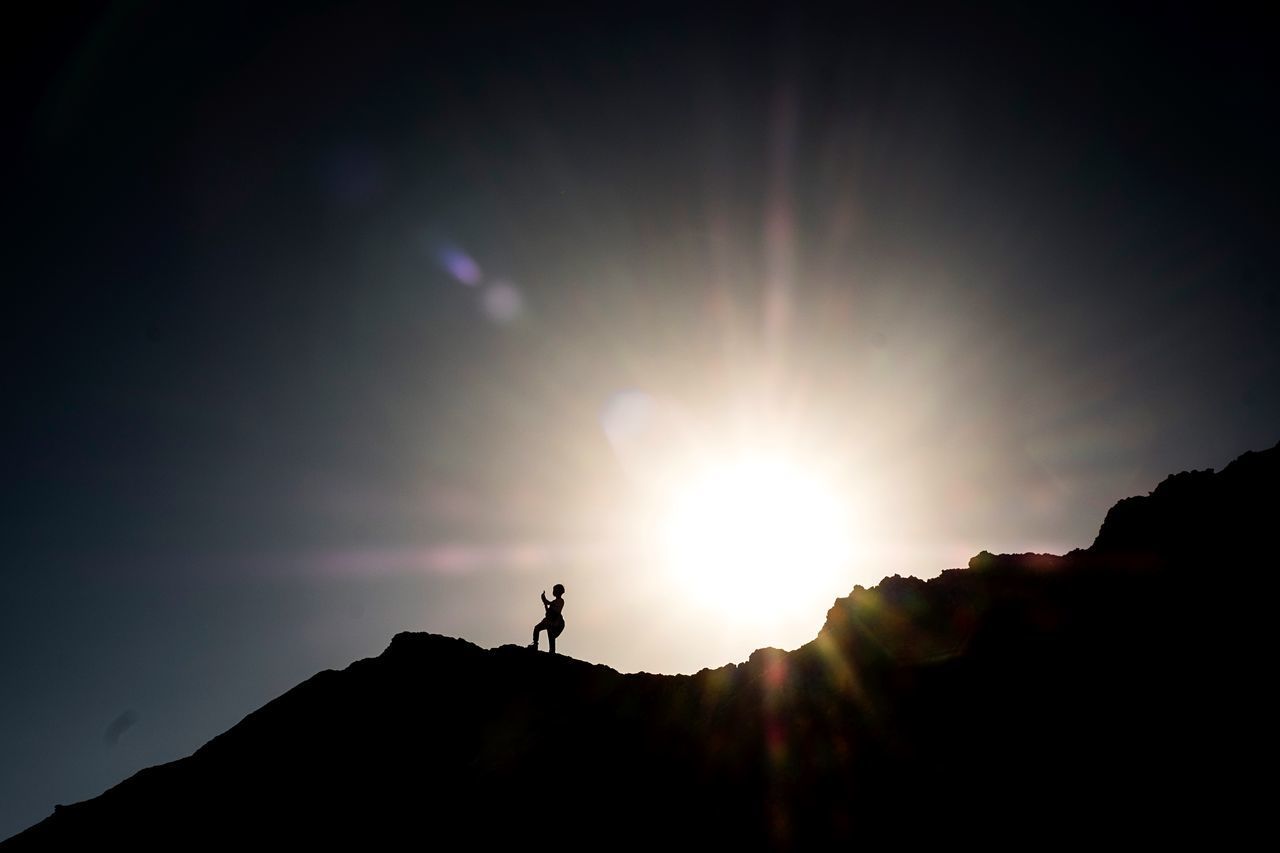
(1112, 694)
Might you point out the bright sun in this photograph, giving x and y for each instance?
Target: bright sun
(757, 540)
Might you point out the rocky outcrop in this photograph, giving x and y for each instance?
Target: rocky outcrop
(1110, 695)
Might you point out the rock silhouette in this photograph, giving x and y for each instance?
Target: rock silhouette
(1117, 694)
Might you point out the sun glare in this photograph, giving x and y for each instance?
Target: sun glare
(757, 540)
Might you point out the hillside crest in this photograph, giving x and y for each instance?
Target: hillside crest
(1086, 692)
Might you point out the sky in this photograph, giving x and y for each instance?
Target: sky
(328, 321)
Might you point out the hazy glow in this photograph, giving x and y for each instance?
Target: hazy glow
(756, 540)
(460, 265)
(502, 303)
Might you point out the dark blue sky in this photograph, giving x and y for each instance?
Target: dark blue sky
(318, 319)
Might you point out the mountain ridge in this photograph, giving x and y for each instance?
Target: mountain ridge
(1021, 695)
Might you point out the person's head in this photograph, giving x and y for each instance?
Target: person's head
(557, 590)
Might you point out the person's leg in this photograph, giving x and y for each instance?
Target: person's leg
(551, 640)
(537, 629)
(553, 631)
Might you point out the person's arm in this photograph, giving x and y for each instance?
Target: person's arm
(545, 604)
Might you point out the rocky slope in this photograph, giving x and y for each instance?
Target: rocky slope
(1114, 694)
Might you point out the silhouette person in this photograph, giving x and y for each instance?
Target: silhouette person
(553, 621)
